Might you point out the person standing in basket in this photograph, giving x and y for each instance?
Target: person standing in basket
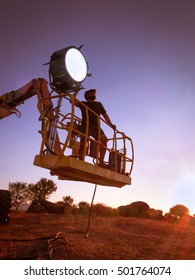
(98, 108)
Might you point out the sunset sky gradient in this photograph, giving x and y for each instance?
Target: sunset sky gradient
(141, 54)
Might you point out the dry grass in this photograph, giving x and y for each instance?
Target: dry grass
(117, 238)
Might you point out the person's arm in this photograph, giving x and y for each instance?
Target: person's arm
(107, 119)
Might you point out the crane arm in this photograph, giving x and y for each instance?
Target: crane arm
(10, 100)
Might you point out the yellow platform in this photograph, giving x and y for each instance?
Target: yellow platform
(73, 169)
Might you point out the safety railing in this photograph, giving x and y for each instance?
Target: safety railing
(61, 135)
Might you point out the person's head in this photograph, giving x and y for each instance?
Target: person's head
(90, 95)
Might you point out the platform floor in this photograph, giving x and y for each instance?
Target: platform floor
(73, 169)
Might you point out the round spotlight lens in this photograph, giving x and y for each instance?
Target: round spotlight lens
(68, 69)
(76, 65)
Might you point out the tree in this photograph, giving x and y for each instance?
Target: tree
(68, 200)
(155, 214)
(179, 210)
(101, 209)
(20, 193)
(68, 203)
(42, 190)
(170, 218)
(84, 207)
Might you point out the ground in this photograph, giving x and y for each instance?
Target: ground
(32, 236)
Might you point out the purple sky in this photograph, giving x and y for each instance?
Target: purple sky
(141, 55)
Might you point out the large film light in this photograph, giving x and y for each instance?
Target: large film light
(68, 69)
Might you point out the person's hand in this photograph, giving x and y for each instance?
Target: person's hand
(114, 126)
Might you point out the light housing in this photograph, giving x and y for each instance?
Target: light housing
(68, 69)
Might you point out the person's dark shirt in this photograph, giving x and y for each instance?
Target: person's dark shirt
(95, 106)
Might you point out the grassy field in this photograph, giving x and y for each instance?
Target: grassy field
(30, 236)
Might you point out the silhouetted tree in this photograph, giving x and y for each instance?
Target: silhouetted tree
(42, 190)
(101, 209)
(170, 218)
(20, 193)
(68, 202)
(179, 210)
(83, 207)
(155, 214)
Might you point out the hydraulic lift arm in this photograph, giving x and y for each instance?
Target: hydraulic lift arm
(10, 100)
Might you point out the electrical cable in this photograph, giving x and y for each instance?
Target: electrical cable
(59, 236)
(90, 211)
